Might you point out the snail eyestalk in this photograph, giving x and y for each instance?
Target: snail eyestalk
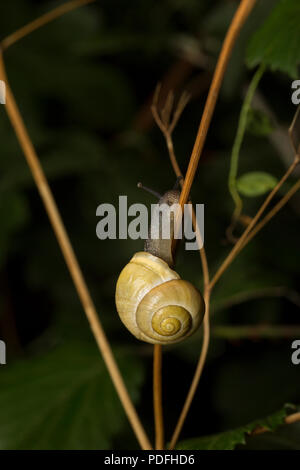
(149, 190)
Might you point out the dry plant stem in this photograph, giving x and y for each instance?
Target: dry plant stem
(272, 213)
(241, 15)
(167, 129)
(208, 288)
(239, 19)
(197, 374)
(71, 260)
(41, 21)
(238, 246)
(206, 322)
(178, 173)
(167, 133)
(157, 397)
(255, 332)
(293, 418)
(172, 80)
(276, 291)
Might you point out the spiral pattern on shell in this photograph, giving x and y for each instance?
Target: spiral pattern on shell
(168, 321)
(154, 303)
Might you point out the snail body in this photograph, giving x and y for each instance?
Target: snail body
(162, 247)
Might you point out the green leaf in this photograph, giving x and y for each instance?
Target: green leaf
(258, 123)
(63, 400)
(276, 43)
(255, 183)
(230, 439)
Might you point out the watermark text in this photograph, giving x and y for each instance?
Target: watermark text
(2, 352)
(2, 92)
(166, 222)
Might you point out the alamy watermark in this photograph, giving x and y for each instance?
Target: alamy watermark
(2, 92)
(296, 354)
(296, 93)
(166, 222)
(2, 352)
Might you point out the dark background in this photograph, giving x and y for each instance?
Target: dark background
(84, 86)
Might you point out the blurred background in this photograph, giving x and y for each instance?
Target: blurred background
(84, 84)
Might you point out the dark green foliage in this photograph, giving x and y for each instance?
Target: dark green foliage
(63, 399)
(230, 439)
(276, 43)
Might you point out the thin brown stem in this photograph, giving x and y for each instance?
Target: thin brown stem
(206, 332)
(173, 79)
(240, 17)
(167, 133)
(71, 260)
(276, 291)
(272, 213)
(293, 418)
(290, 419)
(236, 249)
(157, 397)
(237, 22)
(197, 375)
(167, 130)
(254, 332)
(41, 21)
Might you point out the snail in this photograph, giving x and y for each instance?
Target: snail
(153, 302)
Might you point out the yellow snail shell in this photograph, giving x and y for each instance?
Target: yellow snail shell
(154, 303)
